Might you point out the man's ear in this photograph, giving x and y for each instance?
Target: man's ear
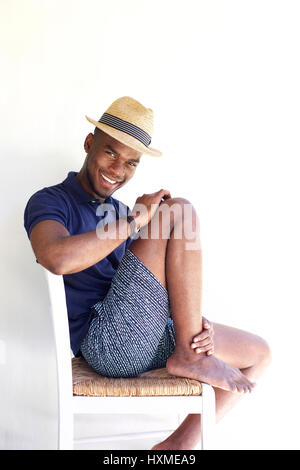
(89, 140)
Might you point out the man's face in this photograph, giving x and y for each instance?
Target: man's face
(108, 166)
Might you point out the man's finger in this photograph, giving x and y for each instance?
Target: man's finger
(165, 193)
(208, 349)
(201, 336)
(199, 344)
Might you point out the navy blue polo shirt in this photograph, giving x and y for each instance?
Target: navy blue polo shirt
(72, 206)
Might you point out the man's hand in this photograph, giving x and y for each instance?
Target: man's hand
(203, 342)
(146, 206)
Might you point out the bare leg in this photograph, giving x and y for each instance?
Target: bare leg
(180, 270)
(250, 354)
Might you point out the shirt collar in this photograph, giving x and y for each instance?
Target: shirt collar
(74, 188)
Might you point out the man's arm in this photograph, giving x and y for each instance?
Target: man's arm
(62, 253)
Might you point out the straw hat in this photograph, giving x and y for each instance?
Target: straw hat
(129, 122)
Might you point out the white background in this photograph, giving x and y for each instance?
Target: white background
(223, 80)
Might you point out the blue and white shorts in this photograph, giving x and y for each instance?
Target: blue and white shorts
(131, 330)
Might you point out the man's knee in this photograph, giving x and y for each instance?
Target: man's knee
(180, 201)
(179, 216)
(265, 352)
(178, 207)
(262, 352)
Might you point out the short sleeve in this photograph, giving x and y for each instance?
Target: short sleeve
(45, 204)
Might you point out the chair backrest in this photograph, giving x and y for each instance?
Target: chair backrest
(61, 334)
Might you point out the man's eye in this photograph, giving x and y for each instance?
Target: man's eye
(132, 164)
(110, 154)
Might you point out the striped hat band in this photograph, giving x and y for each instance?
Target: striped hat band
(129, 122)
(127, 127)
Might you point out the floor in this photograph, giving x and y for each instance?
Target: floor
(88, 428)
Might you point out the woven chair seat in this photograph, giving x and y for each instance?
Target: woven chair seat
(86, 382)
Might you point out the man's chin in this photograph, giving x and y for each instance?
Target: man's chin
(104, 194)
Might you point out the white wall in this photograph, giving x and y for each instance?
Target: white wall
(223, 80)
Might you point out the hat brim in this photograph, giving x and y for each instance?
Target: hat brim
(125, 139)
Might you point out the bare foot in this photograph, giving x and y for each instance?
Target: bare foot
(172, 444)
(162, 446)
(210, 370)
(166, 445)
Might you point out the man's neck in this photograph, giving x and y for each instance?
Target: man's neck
(83, 180)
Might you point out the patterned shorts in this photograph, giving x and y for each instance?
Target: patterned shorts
(131, 330)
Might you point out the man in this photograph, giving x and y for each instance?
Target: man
(133, 279)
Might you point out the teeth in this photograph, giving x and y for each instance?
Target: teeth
(107, 179)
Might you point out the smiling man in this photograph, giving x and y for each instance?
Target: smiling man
(134, 300)
(105, 175)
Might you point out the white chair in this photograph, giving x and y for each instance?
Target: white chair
(70, 404)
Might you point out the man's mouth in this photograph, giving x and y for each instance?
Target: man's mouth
(109, 180)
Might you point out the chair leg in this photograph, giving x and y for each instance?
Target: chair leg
(65, 430)
(208, 416)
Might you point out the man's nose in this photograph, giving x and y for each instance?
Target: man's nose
(117, 170)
